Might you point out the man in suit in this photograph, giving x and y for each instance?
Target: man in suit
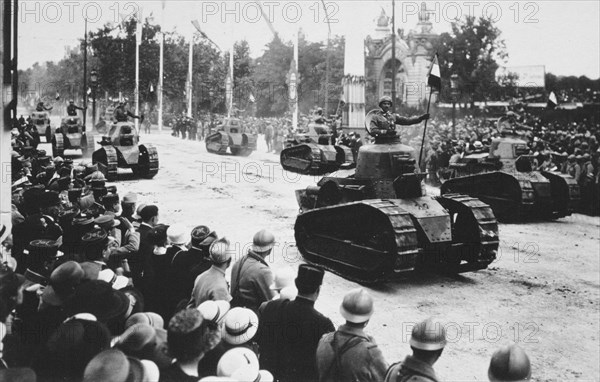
(141, 268)
(289, 331)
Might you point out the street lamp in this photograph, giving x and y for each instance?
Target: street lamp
(454, 92)
(94, 82)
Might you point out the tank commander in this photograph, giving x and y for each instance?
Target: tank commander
(384, 121)
(41, 107)
(72, 109)
(319, 117)
(122, 113)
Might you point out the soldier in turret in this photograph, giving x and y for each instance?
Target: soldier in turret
(122, 113)
(41, 107)
(72, 109)
(384, 121)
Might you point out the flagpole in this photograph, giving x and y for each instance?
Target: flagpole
(425, 128)
(189, 84)
(160, 68)
(295, 112)
(138, 39)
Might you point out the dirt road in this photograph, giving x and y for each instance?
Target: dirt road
(542, 292)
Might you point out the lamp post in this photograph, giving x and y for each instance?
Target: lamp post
(94, 83)
(454, 92)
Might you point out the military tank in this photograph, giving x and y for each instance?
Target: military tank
(231, 134)
(69, 136)
(504, 179)
(121, 149)
(41, 121)
(370, 223)
(311, 152)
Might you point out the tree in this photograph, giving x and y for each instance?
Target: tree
(471, 50)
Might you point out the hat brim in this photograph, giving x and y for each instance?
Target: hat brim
(242, 338)
(262, 248)
(120, 282)
(426, 346)
(355, 318)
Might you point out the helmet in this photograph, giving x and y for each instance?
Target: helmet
(428, 335)
(357, 306)
(263, 241)
(478, 145)
(509, 363)
(385, 99)
(71, 101)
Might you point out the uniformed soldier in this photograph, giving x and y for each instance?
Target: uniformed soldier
(289, 331)
(72, 109)
(427, 341)
(41, 107)
(251, 277)
(349, 354)
(384, 121)
(319, 117)
(509, 364)
(122, 113)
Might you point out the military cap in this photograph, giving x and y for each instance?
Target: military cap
(309, 277)
(97, 235)
(148, 212)
(111, 189)
(509, 364)
(58, 160)
(200, 233)
(586, 156)
(107, 221)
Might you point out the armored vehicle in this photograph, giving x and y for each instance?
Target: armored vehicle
(69, 136)
(369, 223)
(41, 120)
(231, 134)
(121, 149)
(313, 153)
(504, 179)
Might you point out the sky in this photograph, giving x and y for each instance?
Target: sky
(562, 36)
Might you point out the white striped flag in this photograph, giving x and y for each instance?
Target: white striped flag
(552, 101)
(252, 99)
(151, 88)
(434, 79)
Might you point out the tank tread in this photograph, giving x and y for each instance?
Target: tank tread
(148, 162)
(486, 241)
(375, 261)
(107, 161)
(217, 143)
(303, 159)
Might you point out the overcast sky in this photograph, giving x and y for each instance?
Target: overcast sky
(563, 36)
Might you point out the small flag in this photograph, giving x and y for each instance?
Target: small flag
(252, 99)
(89, 91)
(552, 101)
(151, 88)
(434, 79)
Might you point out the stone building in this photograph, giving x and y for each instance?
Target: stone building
(414, 52)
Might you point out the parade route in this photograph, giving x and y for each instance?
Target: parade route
(542, 292)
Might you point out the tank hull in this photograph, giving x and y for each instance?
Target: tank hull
(516, 196)
(312, 158)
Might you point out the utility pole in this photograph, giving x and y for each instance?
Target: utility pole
(327, 62)
(138, 42)
(393, 55)
(85, 76)
(189, 84)
(160, 68)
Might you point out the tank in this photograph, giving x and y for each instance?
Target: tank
(231, 134)
(504, 179)
(41, 121)
(373, 222)
(69, 136)
(311, 152)
(121, 149)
